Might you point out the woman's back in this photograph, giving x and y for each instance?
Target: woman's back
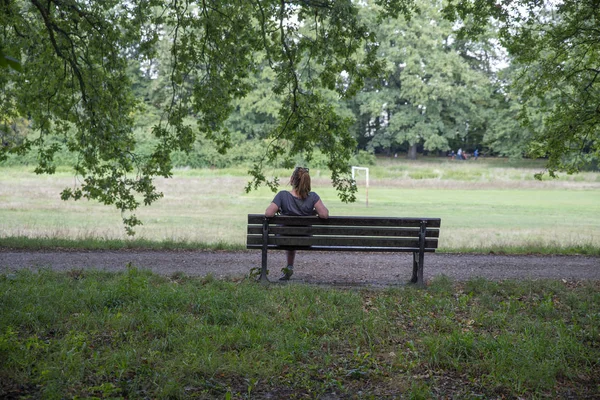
(291, 205)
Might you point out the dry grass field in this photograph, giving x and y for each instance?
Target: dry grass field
(483, 206)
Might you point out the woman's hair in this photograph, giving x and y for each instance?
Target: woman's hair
(300, 181)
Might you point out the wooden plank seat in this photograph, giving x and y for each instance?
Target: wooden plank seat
(345, 233)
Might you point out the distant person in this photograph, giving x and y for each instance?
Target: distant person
(476, 154)
(298, 201)
(452, 155)
(459, 154)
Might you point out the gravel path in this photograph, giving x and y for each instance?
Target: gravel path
(338, 268)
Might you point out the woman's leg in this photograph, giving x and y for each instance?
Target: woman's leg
(291, 256)
(288, 271)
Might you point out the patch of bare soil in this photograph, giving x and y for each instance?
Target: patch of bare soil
(337, 268)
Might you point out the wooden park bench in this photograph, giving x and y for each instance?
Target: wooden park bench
(380, 234)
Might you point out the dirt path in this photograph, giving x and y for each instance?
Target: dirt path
(314, 267)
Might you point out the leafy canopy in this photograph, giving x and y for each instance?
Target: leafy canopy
(75, 89)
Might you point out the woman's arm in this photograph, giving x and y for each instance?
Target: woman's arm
(271, 210)
(322, 211)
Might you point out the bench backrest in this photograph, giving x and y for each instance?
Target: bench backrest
(343, 233)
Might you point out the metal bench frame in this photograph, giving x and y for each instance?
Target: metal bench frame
(344, 233)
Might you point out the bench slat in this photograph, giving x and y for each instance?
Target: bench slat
(353, 221)
(341, 241)
(342, 231)
(344, 248)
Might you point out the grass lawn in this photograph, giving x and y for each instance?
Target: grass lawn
(484, 205)
(87, 334)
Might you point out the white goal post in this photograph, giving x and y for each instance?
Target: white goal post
(354, 169)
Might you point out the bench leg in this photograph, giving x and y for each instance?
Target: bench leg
(417, 275)
(415, 268)
(263, 268)
(420, 271)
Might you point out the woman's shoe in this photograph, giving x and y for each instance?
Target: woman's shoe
(286, 273)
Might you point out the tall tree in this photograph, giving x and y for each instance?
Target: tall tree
(506, 134)
(558, 45)
(432, 94)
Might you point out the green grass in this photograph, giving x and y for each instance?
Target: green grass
(485, 205)
(36, 243)
(89, 334)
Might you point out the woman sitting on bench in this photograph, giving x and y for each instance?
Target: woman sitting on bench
(299, 201)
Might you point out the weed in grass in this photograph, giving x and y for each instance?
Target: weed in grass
(441, 285)
(461, 174)
(420, 391)
(421, 174)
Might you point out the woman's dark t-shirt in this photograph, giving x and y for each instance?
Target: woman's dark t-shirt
(290, 205)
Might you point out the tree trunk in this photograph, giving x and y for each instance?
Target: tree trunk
(412, 152)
